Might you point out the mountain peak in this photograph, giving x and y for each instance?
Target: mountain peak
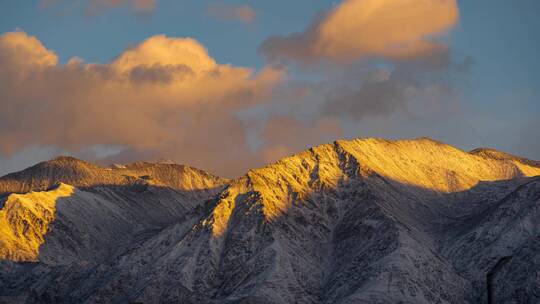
(66, 158)
(420, 162)
(492, 153)
(167, 161)
(80, 173)
(499, 155)
(65, 162)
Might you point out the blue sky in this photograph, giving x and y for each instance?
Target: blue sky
(65, 29)
(499, 93)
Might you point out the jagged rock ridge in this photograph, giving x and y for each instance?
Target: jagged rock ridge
(362, 221)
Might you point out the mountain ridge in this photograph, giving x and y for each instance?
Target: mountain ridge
(80, 173)
(496, 154)
(366, 220)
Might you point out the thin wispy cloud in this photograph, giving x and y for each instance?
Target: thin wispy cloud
(93, 7)
(226, 12)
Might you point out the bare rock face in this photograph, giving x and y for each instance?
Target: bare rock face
(361, 221)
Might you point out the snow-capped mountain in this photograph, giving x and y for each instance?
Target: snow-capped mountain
(361, 221)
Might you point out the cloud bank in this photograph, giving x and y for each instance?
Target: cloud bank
(165, 97)
(168, 98)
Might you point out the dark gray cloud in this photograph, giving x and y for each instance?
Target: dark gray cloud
(383, 91)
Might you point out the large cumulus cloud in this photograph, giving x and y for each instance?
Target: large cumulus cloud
(165, 97)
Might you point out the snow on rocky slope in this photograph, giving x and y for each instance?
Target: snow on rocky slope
(99, 212)
(361, 221)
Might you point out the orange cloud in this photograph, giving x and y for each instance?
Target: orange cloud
(25, 52)
(144, 5)
(165, 97)
(163, 51)
(243, 13)
(365, 28)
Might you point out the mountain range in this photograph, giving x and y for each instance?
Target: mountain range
(359, 221)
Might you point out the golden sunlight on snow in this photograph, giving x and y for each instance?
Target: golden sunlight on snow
(24, 222)
(420, 164)
(432, 165)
